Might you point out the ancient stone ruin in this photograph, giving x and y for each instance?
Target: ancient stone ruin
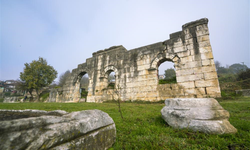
(57, 130)
(136, 70)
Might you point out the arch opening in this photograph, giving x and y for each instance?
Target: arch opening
(111, 79)
(166, 71)
(84, 84)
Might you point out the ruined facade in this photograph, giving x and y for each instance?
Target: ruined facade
(136, 70)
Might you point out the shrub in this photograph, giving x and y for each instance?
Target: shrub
(84, 94)
(168, 81)
(44, 96)
(111, 86)
(7, 93)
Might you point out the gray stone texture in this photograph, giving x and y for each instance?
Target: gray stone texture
(35, 129)
(244, 92)
(136, 70)
(198, 114)
(10, 99)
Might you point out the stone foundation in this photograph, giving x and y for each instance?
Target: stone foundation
(244, 92)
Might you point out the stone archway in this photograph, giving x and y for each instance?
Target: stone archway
(136, 69)
(76, 86)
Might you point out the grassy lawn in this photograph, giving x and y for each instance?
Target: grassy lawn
(143, 127)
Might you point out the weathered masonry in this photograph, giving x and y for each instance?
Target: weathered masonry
(136, 70)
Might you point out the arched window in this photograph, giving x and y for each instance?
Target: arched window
(166, 72)
(84, 84)
(111, 79)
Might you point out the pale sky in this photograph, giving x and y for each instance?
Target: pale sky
(67, 32)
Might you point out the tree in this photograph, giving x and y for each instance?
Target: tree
(237, 68)
(22, 86)
(223, 70)
(244, 77)
(38, 74)
(63, 77)
(217, 65)
(116, 94)
(169, 73)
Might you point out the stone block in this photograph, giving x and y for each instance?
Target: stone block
(189, 41)
(207, 83)
(178, 43)
(203, 38)
(179, 49)
(205, 49)
(198, 114)
(187, 59)
(204, 44)
(202, 30)
(193, 64)
(35, 129)
(192, 77)
(184, 53)
(204, 69)
(189, 84)
(210, 75)
(174, 86)
(190, 91)
(200, 91)
(206, 56)
(206, 62)
(213, 91)
(184, 72)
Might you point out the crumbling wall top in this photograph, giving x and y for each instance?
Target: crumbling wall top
(195, 23)
(116, 48)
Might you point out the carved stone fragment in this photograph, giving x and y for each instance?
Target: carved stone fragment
(35, 129)
(198, 114)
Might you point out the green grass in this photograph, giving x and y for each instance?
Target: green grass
(143, 127)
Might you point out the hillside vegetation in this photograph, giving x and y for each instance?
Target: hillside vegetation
(234, 77)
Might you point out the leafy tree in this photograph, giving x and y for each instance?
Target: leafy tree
(244, 77)
(223, 70)
(22, 86)
(237, 68)
(38, 74)
(63, 77)
(217, 65)
(169, 73)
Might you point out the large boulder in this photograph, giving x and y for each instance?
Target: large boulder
(198, 114)
(34, 129)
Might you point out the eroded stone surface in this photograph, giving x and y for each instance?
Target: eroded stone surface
(34, 129)
(10, 99)
(198, 114)
(136, 70)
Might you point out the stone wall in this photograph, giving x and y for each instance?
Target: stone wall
(136, 70)
(244, 92)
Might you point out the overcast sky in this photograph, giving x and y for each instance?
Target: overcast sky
(67, 32)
